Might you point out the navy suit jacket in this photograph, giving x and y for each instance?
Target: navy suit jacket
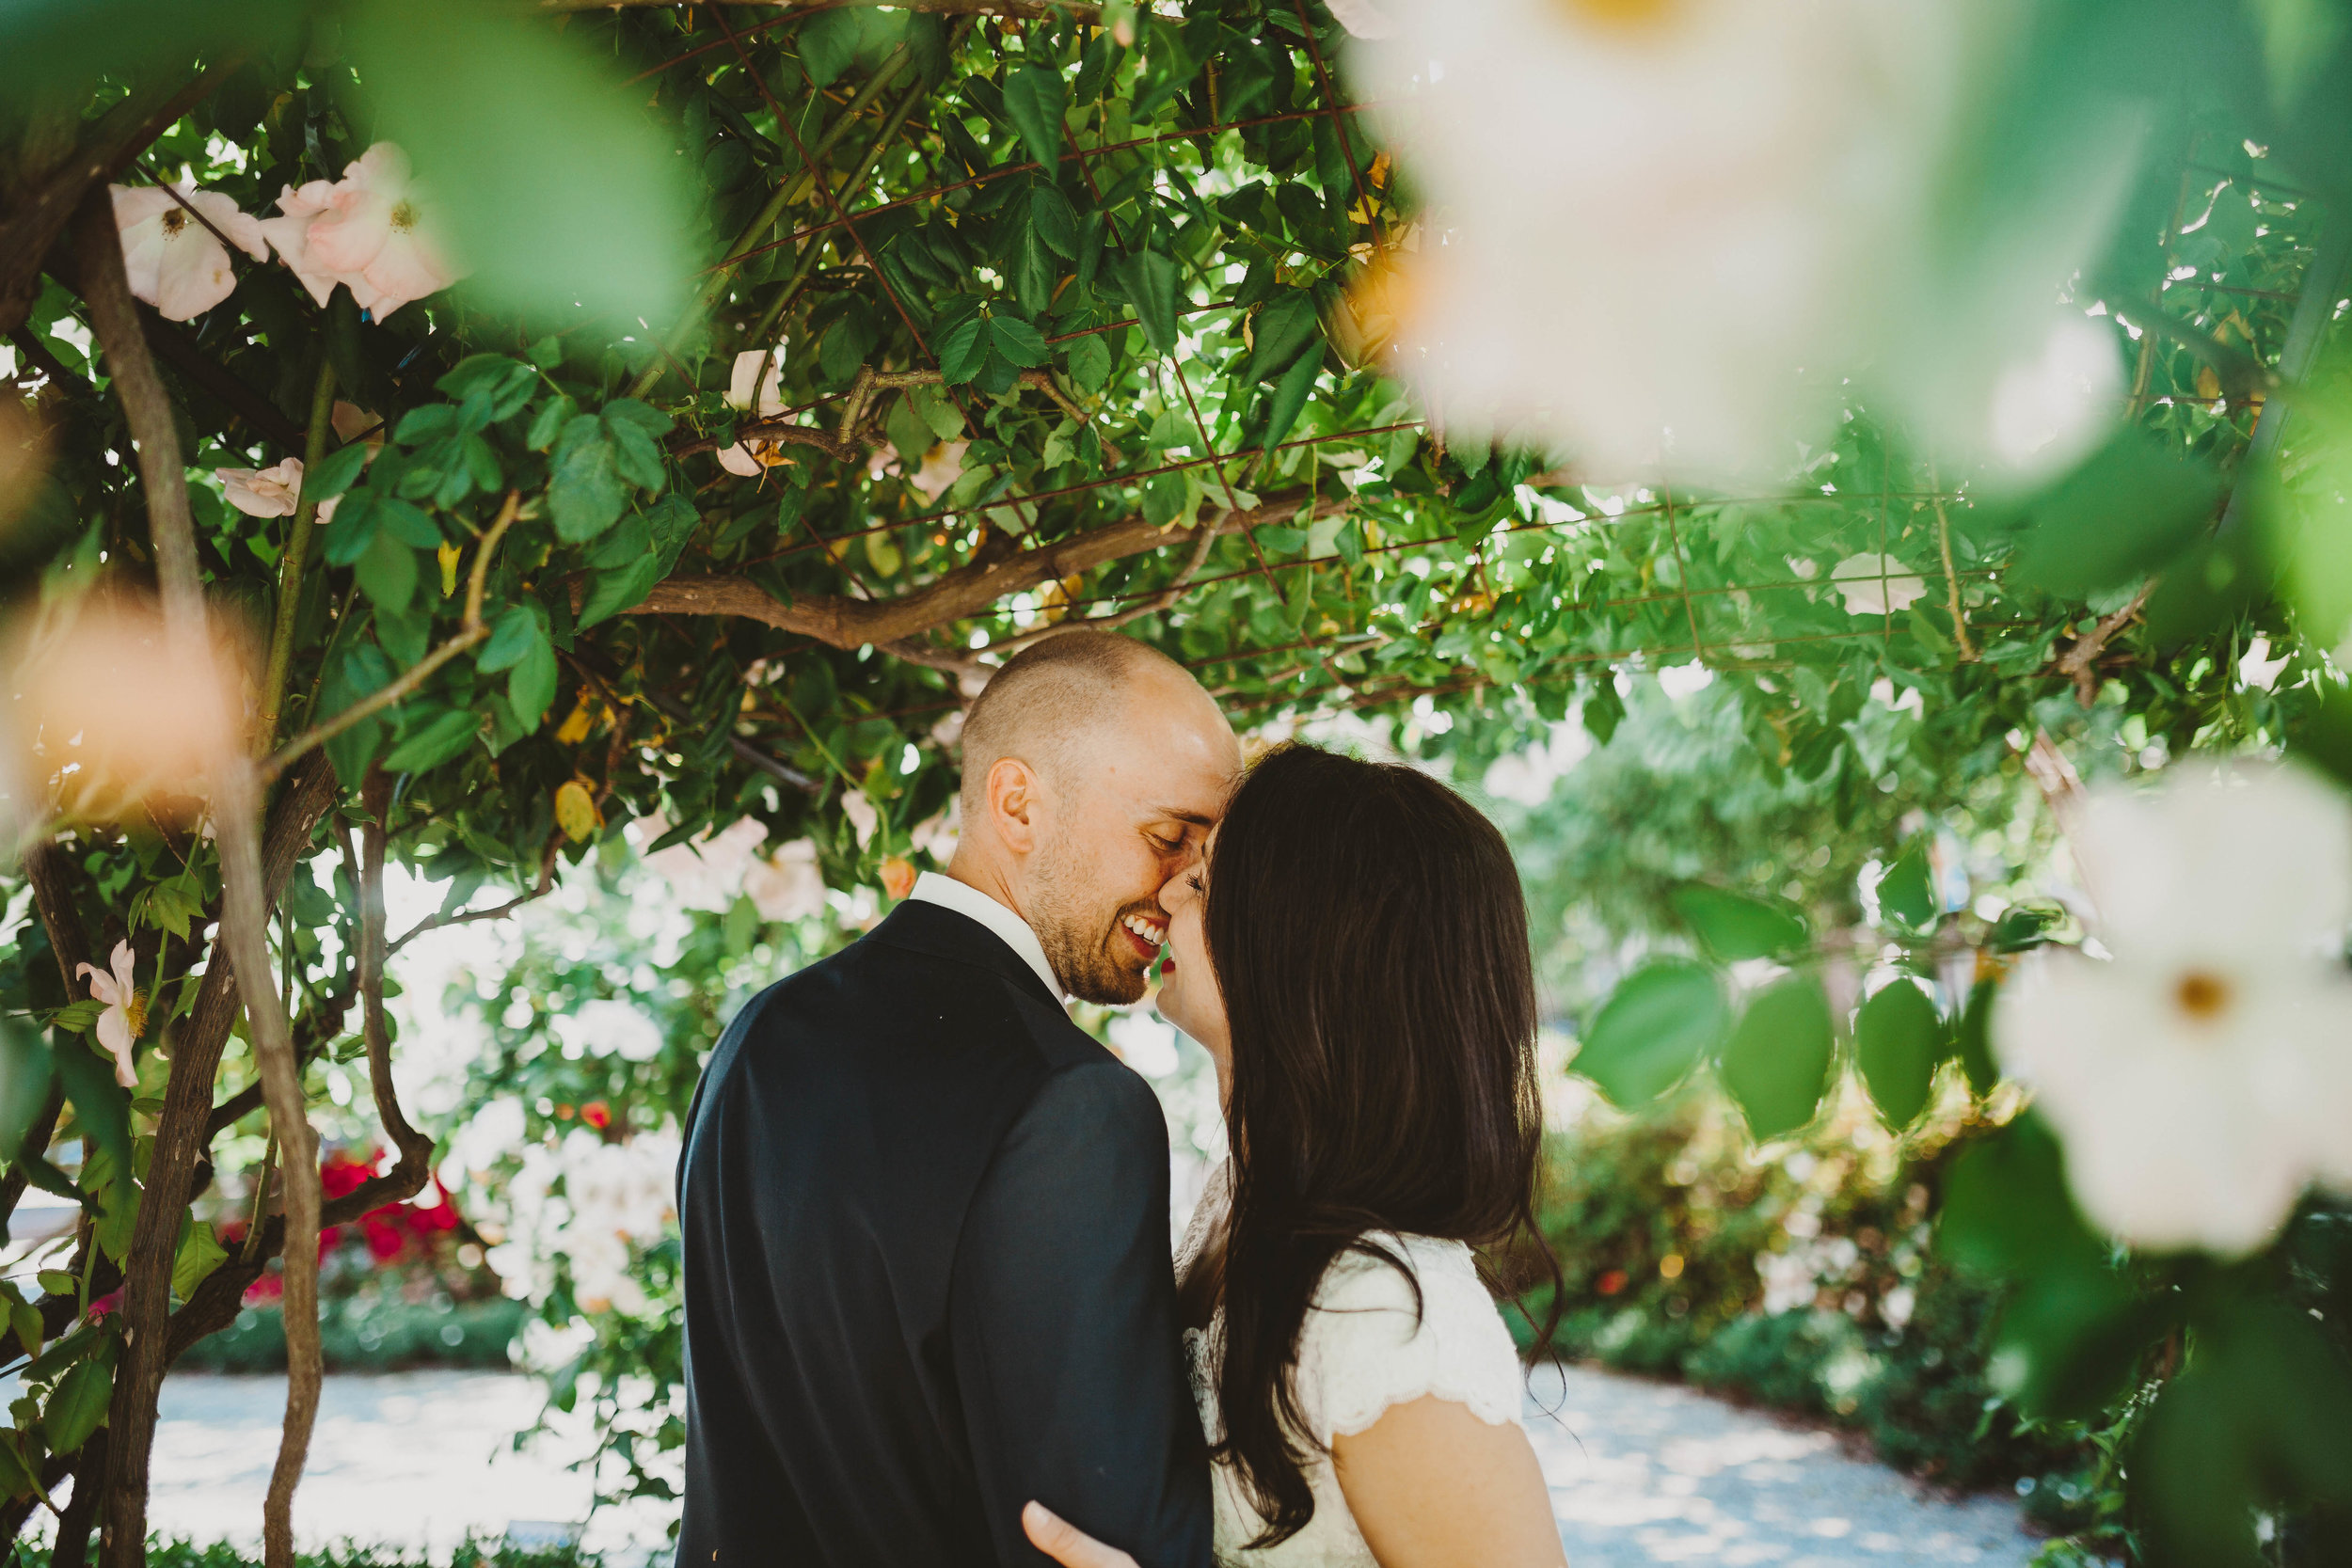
(928, 1273)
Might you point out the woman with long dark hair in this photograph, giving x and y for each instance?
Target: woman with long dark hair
(1354, 954)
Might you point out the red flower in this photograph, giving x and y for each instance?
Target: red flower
(264, 1292)
(385, 1235)
(596, 1113)
(343, 1170)
(110, 1302)
(1610, 1283)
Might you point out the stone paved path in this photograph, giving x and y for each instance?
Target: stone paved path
(1641, 1473)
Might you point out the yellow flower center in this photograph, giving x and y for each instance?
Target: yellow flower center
(2204, 997)
(405, 218)
(1626, 15)
(175, 220)
(135, 1012)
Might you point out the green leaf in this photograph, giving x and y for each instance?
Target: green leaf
(1897, 1040)
(1905, 894)
(25, 1074)
(1151, 279)
(1034, 98)
(99, 1106)
(1089, 361)
(584, 490)
(437, 741)
(1659, 1022)
(200, 1255)
(1971, 1040)
(1017, 341)
(963, 350)
(512, 636)
(1734, 927)
(1777, 1062)
(355, 670)
(546, 424)
(1054, 220)
(78, 1017)
(826, 43)
(633, 413)
(408, 524)
(1290, 399)
(79, 1404)
(1281, 327)
(58, 1282)
(611, 592)
(532, 687)
(636, 456)
(335, 473)
(939, 411)
(2115, 519)
(388, 573)
(427, 422)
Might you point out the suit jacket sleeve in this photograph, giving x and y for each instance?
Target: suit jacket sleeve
(1063, 1313)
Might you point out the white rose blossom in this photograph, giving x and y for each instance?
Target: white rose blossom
(2200, 1078)
(175, 263)
(124, 1017)
(708, 871)
(273, 492)
(787, 885)
(1875, 584)
(373, 231)
(606, 1027)
(755, 386)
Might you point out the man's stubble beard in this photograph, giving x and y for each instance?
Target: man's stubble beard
(1075, 927)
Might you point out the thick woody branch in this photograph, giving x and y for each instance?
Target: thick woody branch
(106, 148)
(959, 594)
(53, 896)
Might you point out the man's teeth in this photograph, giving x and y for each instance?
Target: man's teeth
(1152, 931)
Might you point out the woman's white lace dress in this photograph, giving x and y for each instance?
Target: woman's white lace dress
(1361, 1349)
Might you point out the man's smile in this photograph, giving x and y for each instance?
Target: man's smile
(1145, 932)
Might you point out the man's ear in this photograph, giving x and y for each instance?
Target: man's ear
(1016, 803)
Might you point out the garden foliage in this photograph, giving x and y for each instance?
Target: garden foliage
(799, 367)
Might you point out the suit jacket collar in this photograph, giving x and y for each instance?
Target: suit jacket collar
(919, 926)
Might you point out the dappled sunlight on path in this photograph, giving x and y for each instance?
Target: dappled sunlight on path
(1640, 1473)
(1646, 1472)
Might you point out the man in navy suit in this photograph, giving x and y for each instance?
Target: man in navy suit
(925, 1214)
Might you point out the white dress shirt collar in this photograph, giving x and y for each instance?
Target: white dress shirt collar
(965, 900)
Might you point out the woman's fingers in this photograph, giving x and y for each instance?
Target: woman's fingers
(1066, 1544)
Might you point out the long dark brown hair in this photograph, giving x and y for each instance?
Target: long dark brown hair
(1369, 934)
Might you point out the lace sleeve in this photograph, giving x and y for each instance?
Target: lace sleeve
(1362, 1350)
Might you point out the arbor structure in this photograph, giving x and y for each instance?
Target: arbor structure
(811, 360)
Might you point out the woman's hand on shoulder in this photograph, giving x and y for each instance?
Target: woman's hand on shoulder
(1434, 1486)
(1066, 1544)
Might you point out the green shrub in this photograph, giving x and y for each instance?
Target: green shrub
(1665, 1226)
(372, 1334)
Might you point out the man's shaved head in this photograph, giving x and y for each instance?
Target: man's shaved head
(1052, 697)
(1093, 769)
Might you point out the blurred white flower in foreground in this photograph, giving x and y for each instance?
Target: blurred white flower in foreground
(2203, 1076)
(609, 1028)
(1365, 19)
(863, 817)
(1645, 221)
(787, 885)
(755, 386)
(175, 263)
(2049, 409)
(112, 716)
(273, 492)
(1875, 584)
(125, 1017)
